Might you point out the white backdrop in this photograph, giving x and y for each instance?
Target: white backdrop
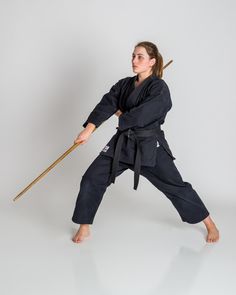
(58, 58)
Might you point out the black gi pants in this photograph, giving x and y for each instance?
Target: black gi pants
(164, 176)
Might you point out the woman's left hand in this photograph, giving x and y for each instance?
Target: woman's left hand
(118, 113)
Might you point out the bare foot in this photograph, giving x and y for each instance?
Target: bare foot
(213, 232)
(82, 233)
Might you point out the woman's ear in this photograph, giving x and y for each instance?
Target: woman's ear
(153, 61)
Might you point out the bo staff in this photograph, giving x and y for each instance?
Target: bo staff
(169, 62)
(75, 145)
(48, 169)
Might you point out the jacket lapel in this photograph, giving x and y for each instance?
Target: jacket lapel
(134, 96)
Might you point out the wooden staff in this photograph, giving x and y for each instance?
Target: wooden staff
(75, 145)
(48, 169)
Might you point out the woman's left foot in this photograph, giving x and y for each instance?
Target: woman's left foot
(213, 233)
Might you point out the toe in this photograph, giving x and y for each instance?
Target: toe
(76, 239)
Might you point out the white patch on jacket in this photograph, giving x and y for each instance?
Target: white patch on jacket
(105, 148)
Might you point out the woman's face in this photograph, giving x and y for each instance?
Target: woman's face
(141, 62)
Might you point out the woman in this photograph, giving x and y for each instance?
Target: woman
(141, 103)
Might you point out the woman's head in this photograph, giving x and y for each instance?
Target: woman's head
(147, 58)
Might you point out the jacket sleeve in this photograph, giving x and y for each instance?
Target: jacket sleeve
(106, 107)
(153, 108)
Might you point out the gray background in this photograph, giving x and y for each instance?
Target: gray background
(57, 60)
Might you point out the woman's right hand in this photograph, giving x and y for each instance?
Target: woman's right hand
(84, 135)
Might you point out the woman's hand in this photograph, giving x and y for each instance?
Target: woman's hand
(84, 135)
(118, 113)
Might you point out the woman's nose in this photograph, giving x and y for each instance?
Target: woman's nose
(134, 61)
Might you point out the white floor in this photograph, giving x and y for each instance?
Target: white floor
(138, 245)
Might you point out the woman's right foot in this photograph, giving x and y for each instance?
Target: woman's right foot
(81, 234)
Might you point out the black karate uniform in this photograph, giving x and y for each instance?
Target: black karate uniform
(140, 145)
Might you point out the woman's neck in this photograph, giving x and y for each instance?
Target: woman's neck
(142, 76)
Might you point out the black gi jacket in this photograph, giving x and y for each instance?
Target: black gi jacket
(138, 133)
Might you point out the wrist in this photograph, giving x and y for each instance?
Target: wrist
(90, 127)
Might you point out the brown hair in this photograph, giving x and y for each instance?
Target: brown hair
(153, 52)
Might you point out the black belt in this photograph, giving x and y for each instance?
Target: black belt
(137, 164)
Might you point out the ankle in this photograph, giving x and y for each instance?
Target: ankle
(210, 224)
(84, 226)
